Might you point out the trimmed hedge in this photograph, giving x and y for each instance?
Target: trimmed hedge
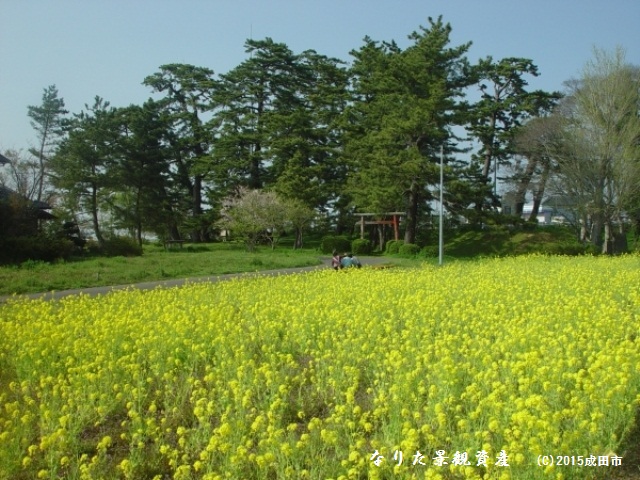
(430, 251)
(393, 246)
(361, 246)
(409, 249)
(339, 243)
(121, 247)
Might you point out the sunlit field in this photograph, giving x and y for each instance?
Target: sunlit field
(495, 369)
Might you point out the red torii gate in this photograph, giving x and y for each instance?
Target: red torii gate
(395, 221)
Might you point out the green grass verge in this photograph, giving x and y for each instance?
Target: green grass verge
(154, 265)
(500, 241)
(201, 260)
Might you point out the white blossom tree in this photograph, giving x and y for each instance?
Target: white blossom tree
(255, 215)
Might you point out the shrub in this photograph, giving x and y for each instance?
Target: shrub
(335, 242)
(361, 246)
(490, 241)
(92, 247)
(408, 249)
(393, 246)
(591, 249)
(38, 247)
(430, 251)
(565, 248)
(121, 247)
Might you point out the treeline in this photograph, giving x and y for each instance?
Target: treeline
(339, 138)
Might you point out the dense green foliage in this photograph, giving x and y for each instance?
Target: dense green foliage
(393, 246)
(338, 243)
(408, 249)
(47, 248)
(337, 139)
(505, 241)
(361, 246)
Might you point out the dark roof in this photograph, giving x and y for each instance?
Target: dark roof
(7, 193)
(4, 160)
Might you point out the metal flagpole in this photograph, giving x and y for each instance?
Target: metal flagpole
(440, 236)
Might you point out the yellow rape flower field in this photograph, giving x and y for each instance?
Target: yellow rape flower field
(518, 368)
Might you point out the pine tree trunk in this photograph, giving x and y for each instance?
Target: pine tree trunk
(535, 209)
(197, 235)
(538, 194)
(94, 215)
(523, 186)
(412, 214)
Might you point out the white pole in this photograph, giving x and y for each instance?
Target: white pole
(440, 235)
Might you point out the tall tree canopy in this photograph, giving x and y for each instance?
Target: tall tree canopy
(141, 169)
(405, 104)
(504, 105)
(188, 98)
(81, 166)
(48, 120)
(276, 123)
(321, 135)
(253, 96)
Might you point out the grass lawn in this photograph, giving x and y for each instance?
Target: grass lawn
(194, 260)
(201, 260)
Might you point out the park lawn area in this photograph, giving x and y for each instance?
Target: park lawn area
(156, 264)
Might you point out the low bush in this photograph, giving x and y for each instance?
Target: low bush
(361, 246)
(339, 243)
(409, 249)
(92, 248)
(121, 247)
(565, 248)
(37, 248)
(393, 246)
(489, 241)
(430, 251)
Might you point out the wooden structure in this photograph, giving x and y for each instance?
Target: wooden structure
(389, 218)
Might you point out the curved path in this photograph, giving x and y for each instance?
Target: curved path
(95, 291)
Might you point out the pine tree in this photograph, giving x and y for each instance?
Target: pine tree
(48, 120)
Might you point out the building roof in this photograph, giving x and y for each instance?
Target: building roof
(4, 160)
(6, 194)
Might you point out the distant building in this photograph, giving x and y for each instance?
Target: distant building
(554, 210)
(26, 214)
(544, 217)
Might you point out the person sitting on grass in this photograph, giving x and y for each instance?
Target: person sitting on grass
(336, 260)
(350, 261)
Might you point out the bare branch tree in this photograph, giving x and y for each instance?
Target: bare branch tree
(599, 152)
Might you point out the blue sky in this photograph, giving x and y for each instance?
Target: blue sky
(107, 47)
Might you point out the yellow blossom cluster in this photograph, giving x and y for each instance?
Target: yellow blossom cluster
(328, 375)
